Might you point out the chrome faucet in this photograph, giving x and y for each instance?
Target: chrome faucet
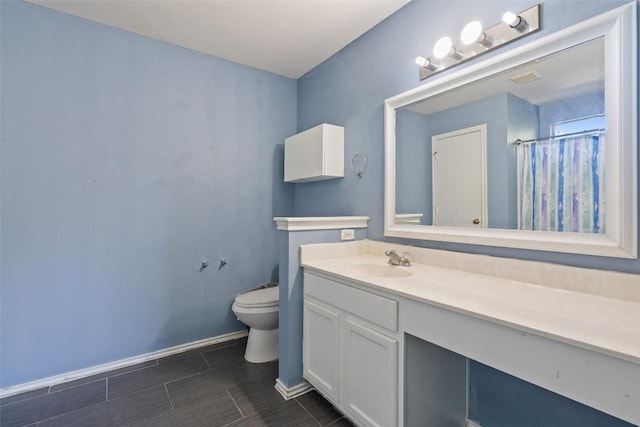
(395, 259)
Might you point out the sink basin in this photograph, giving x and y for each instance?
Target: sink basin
(379, 270)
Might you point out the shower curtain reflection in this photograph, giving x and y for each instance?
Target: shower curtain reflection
(561, 184)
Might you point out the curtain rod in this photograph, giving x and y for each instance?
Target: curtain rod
(584, 132)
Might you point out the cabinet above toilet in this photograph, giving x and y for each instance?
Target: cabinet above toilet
(315, 154)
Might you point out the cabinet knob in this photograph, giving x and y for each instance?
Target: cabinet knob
(476, 221)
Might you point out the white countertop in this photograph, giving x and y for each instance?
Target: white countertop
(606, 325)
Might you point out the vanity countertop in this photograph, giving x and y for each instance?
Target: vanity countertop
(605, 325)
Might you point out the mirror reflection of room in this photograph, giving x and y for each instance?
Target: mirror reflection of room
(543, 156)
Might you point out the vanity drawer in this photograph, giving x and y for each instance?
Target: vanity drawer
(376, 309)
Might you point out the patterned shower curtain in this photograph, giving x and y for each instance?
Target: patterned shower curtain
(561, 184)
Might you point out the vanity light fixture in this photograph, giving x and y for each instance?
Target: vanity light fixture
(476, 40)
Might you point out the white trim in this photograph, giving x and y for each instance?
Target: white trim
(409, 218)
(619, 29)
(98, 369)
(292, 392)
(320, 223)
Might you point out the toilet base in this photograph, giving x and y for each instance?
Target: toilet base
(262, 346)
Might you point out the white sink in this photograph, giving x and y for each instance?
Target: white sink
(379, 270)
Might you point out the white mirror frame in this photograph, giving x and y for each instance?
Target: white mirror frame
(618, 27)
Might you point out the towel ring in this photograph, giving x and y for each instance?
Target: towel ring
(359, 170)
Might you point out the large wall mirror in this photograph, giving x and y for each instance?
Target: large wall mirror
(535, 148)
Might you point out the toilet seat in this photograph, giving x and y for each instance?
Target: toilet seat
(267, 297)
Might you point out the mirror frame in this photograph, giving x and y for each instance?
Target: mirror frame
(619, 29)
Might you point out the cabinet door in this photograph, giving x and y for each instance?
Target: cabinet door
(321, 348)
(370, 375)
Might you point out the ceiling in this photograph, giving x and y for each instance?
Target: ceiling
(285, 37)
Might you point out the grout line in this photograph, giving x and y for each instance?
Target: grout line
(49, 392)
(166, 389)
(234, 402)
(336, 421)
(188, 376)
(220, 346)
(133, 370)
(205, 360)
(136, 391)
(305, 410)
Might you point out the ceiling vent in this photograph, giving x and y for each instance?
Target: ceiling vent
(527, 77)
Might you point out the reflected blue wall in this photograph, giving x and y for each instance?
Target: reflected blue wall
(577, 107)
(414, 192)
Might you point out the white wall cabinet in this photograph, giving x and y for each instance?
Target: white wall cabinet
(315, 154)
(350, 349)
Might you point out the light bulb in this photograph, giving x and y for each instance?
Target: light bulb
(515, 21)
(426, 63)
(442, 47)
(471, 32)
(510, 19)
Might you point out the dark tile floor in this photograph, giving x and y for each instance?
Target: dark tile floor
(210, 386)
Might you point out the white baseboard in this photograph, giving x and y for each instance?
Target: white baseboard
(293, 392)
(87, 372)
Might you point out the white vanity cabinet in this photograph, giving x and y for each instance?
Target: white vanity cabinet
(350, 349)
(322, 348)
(369, 374)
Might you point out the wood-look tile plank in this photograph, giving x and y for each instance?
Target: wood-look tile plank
(116, 412)
(229, 366)
(285, 414)
(256, 397)
(53, 404)
(240, 341)
(225, 356)
(342, 422)
(205, 386)
(102, 375)
(319, 408)
(271, 368)
(213, 412)
(24, 396)
(168, 369)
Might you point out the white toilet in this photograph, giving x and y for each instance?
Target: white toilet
(258, 310)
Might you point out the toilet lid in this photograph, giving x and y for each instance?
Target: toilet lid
(267, 297)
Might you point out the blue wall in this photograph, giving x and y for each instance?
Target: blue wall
(501, 400)
(125, 162)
